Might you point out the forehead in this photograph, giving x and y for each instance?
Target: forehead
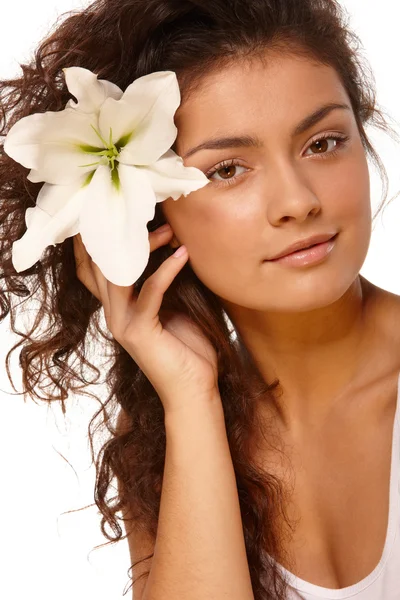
(267, 95)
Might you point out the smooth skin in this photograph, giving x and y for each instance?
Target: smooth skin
(329, 335)
(199, 477)
(170, 350)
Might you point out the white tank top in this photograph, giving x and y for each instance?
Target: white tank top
(383, 583)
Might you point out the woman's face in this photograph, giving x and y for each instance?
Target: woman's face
(274, 186)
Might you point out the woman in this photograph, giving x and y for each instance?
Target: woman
(263, 464)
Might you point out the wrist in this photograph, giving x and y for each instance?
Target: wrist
(192, 407)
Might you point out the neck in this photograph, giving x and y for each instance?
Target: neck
(317, 356)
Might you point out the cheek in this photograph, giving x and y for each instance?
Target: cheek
(222, 235)
(220, 226)
(218, 239)
(352, 196)
(350, 211)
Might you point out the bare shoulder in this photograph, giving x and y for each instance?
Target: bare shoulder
(378, 377)
(141, 544)
(387, 309)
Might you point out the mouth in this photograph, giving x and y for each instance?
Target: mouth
(313, 254)
(311, 246)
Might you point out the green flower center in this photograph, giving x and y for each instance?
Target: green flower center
(108, 154)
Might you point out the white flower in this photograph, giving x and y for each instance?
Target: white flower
(106, 160)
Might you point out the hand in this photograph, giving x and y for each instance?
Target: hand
(178, 360)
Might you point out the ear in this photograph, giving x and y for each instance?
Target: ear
(175, 243)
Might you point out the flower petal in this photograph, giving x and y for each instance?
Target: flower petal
(49, 144)
(54, 218)
(146, 110)
(113, 223)
(89, 91)
(171, 179)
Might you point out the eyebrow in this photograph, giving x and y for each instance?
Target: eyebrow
(247, 141)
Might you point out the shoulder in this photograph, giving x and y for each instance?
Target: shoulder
(382, 322)
(386, 308)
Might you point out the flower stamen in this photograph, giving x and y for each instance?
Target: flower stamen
(110, 153)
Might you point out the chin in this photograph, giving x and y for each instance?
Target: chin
(307, 292)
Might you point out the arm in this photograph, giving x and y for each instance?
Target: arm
(200, 551)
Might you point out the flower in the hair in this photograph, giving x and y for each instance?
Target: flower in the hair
(106, 161)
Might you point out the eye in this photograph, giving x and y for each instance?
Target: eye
(226, 171)
(323, 146)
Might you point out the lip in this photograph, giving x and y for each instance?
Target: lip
(307, 256)
(304, 244)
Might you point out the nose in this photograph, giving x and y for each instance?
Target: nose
(291, 197)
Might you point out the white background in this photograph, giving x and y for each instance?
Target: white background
(47, 554)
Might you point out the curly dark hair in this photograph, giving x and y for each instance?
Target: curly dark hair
(121, 40)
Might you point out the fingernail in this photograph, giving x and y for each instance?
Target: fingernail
(165, 227)
(180, 252)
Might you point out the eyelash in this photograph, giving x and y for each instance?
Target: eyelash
(342, 139)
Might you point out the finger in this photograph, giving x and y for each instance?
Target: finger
(151, 295)
(84, 262)
(120, 297)
(103, 290)
(119, 303)
(84, 267)
(117, 299)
